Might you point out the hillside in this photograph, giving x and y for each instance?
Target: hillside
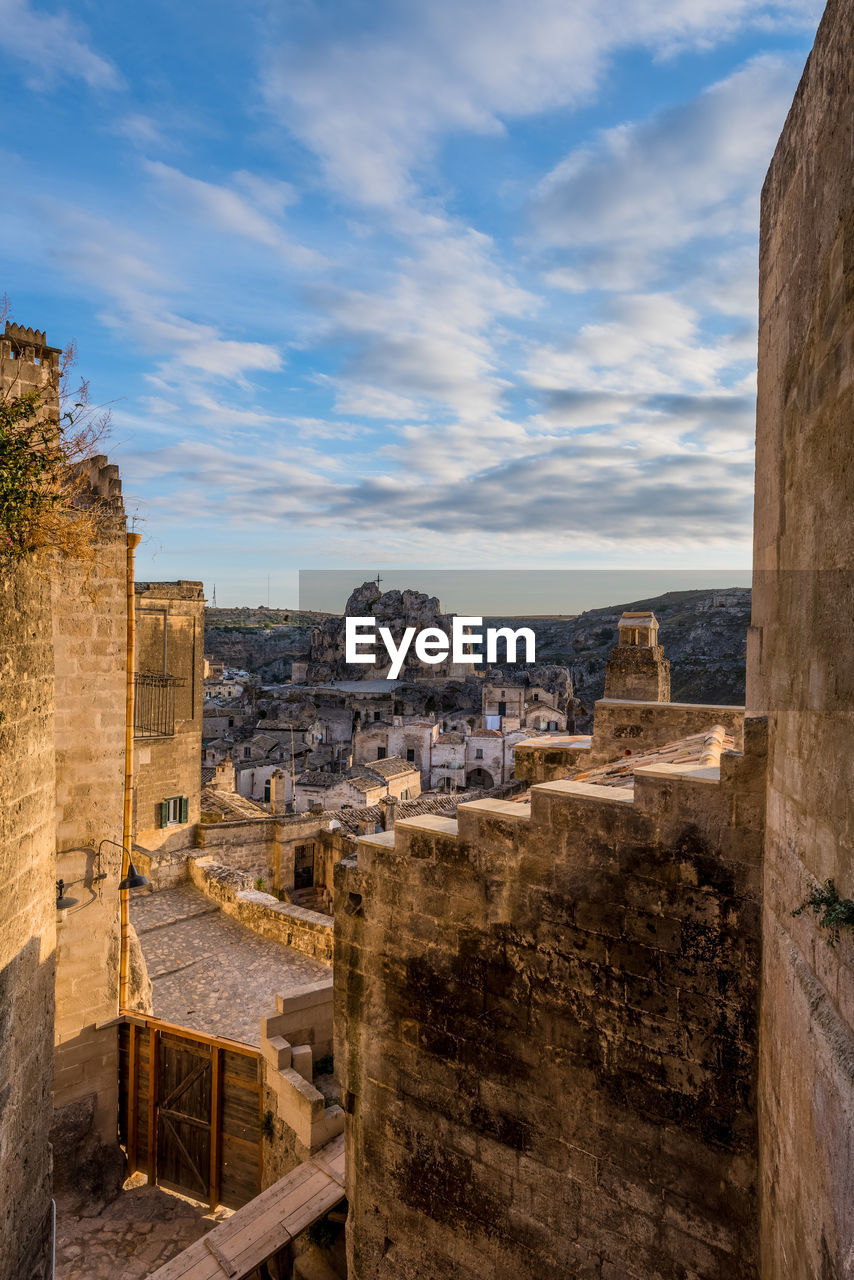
(704, 634)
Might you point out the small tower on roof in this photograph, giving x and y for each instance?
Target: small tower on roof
(637, 669)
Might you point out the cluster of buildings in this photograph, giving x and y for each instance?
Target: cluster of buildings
(594, 1019)
(352, 742)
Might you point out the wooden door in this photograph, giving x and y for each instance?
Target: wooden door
(184, 1117)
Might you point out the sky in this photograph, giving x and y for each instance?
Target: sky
(438, 283)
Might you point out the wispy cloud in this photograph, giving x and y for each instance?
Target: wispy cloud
(624, 204)
(52, 47)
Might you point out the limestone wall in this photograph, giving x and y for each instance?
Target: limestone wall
(27, 921)
(544, 1030)
(90, 647)
(170, 765)
(284, 922)
(801, 664)
(621, 726)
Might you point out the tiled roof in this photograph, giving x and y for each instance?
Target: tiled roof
(230, 805)
(450, 739)
(391, 767)
(366, 782)
(696, 749)
(320, 778)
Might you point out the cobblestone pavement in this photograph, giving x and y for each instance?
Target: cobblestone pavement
(208, 972)
(142, 1228)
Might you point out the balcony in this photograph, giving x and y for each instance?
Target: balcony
(154, 705)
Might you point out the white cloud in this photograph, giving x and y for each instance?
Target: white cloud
(237, 214)
(372, 105)
(625, 204)
(53, 46)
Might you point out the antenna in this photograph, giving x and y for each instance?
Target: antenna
(213, 598)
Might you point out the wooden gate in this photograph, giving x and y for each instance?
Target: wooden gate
(190, 1111)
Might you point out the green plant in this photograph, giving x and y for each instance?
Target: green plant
(834, 912)
(45, 500)
(260, 884)
(267, 1126)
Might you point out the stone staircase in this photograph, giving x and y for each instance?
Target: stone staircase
(310, 899)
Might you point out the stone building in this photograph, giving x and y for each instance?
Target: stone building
(168, 714)
(62, 776)
(597, 1034)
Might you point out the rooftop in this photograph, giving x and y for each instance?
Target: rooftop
(698, 749)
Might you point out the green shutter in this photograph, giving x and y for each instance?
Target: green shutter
(162, 813)
(185, 809)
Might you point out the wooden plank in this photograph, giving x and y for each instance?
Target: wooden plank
(200, 1037)
(236, 1243)
(332, 1159)
(195, 1263)
(132, 1091)
(241, 1082)
(216, 1125)
(263, 1226)
(277, 1234)
(153, 1063)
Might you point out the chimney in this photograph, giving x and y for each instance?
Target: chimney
(224, 776)
(388, 806)
(278, 791)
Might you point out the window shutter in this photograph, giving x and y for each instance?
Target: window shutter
(185, 808)
(163, 813)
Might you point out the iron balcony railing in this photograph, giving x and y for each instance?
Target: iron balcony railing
(154, 705)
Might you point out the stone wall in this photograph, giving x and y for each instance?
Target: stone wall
(90, 647)
(170, 765)
(801, 666)
(27, 921)
(621, 727)
(545, 1031)
(307, 931)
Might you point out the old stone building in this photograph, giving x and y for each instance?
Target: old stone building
(168, 715)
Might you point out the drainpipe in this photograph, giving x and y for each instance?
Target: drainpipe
(133, 541)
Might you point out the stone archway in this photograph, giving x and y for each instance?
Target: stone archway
(480, 778)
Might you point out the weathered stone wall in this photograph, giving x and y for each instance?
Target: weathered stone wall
(170, 765)
(538, 761)
(90, 648)
(801, 665)
(621, 726)
(284, 922)
(249, 845)
(638, 672)
(27, 921)
(545, 1031)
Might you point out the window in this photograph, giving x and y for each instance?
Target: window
(536, 697)
(247, 752)
(478, 755)
(267, 791)
(410, 753)
(376, 715)
(404, 795)
(154, 705)
(502, 708)
(553, 724)
(231, 722)
(381, 753)
(173, 811)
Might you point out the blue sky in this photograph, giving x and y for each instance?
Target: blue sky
(451, 283)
